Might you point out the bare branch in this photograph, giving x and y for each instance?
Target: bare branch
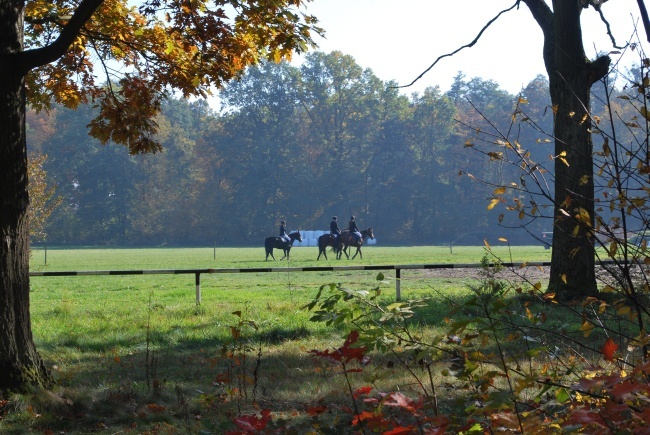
(471, 44)
(609, 30)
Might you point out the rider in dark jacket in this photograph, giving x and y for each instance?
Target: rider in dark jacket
(354, 229)
(283, 232)
(334, 229)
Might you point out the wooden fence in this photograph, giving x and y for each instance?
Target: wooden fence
(198, 272)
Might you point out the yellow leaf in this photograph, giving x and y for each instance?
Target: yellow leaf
(493, 203)
(563, 278)
(487, 245)
(501, 239)
(613, 248)
(499, 190)
(645, 113)
(586, 327)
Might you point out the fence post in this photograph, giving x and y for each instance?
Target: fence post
(398, 290)
(198, 288)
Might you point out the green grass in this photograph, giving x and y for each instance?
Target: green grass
(95, 332)
(198, 258)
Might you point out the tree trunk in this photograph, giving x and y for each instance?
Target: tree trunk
(20, 363)
(570, 78)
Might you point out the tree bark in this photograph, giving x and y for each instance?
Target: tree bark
(20, 363)
(571, 76)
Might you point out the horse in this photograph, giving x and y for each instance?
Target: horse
(279, 243)
(348, 239)
(327, 240)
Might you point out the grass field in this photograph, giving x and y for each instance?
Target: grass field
(117, 344)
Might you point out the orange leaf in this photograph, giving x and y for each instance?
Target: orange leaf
(608, 349)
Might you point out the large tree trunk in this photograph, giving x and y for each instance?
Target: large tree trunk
(570, 79)
(20, 363)
(571, 76)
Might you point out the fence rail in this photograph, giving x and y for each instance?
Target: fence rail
(198, 272)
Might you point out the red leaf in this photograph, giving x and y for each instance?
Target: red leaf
(401, 430)
(361, 391)
(365, 415)
(346, 351)
(608, 349)
(401, 401)
(251, 423)
(619, 391)
(582, 416)
(316, 410)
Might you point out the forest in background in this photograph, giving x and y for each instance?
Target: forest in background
(300, 144)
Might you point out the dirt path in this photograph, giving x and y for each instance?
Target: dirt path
(529, 273)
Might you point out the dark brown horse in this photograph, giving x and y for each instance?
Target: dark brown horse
(271, 243)
(348, 239)
(327, 240)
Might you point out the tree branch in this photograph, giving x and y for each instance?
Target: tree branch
(644, 17)
(544, 16)
(30, 59)
(471, 44)
(609, 30)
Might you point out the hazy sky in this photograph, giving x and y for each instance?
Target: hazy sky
(399, 39)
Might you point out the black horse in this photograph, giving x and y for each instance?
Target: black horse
(271, 243)
(327, 240)
(348, 239)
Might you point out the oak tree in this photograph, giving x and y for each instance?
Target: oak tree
(571, 76)
(124, 60)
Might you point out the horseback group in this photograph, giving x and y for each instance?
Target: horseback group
(337, 239)
(341, 240)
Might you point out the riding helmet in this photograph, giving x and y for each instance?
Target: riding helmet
(352, 218)
(334, 218)
(283, 222)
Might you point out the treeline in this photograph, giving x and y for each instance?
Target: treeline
(295, 143)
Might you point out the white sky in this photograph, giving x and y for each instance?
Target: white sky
(399, 39)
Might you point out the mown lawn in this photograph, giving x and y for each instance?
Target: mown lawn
(135, 353)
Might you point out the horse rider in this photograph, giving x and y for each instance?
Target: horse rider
(334, 229)
(354, 229)
(283, 232)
